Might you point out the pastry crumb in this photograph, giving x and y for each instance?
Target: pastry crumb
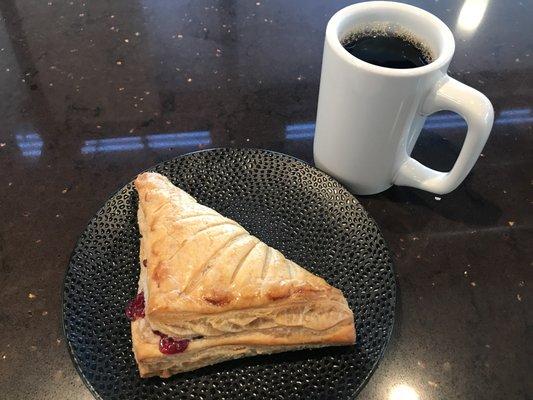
(433, 384)
(31, 296)
(473, 284)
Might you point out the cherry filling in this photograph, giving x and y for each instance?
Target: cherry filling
(169, 345)
(135, 308)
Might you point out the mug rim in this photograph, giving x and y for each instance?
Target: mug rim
(443, 58)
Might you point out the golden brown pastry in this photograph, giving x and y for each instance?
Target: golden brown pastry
(209, 291)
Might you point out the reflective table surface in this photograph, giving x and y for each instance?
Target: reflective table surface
(92, 92)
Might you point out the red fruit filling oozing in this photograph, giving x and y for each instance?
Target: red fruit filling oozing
(169, 345)
(135, 308)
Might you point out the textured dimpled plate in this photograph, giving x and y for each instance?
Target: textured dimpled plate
(288, 204)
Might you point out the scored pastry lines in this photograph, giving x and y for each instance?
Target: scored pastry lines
(161, 206)
(199, 216)
(266, 261)
(196, 278)
(289, 268)
(213, 225)
(205, 228)
(241, 262)
(155, 220)
(156, 211)
(188, 217)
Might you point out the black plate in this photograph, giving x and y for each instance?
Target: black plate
(290, 205)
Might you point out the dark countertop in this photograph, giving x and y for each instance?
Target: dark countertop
(84, 83)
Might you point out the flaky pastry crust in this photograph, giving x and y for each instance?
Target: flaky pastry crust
(206, 279)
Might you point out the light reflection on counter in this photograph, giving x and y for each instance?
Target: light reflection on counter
(514, 116)
(152, 141)
(128, 143)
(306, 131)
(471, 15)
(30, 144)
(182, 139)
(506, 117)
(403, 392)
(300, 131)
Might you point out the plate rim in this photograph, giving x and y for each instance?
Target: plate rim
(381, 355)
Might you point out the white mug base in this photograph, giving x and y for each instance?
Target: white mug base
(355, 188)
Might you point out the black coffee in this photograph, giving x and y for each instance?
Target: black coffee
(387, 49)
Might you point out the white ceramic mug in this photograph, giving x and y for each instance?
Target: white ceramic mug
(369, 117)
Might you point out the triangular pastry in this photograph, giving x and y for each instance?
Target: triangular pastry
(209, 291)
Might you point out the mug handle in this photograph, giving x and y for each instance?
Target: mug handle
(476, 109)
